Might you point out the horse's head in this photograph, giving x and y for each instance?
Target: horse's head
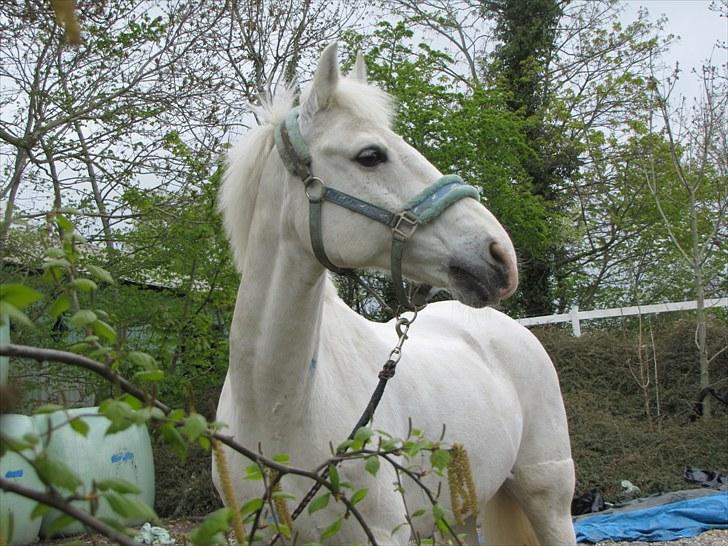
(340, 139)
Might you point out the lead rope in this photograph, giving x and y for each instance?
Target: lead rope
(402, 327)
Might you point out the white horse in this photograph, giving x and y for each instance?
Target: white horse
(303, 365)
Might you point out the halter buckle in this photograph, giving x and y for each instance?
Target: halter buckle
(405, 226)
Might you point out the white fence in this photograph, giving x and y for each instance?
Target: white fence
(575, 316)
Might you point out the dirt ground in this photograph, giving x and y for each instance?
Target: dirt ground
(181, 527)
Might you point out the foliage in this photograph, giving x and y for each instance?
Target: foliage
(472, 133)
(624, 428)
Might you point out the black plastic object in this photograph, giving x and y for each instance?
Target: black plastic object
(588, 503)
(706, 478)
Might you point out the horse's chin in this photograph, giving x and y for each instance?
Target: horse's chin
(474, 289)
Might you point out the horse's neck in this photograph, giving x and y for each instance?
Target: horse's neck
(275, 333)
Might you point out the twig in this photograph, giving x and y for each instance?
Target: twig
(80, 361)
(55, 502)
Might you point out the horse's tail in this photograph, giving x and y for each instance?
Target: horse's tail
(505, 523)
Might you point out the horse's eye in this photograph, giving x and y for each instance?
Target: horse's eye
(371, 156)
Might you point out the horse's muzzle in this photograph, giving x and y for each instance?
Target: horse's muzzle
(478, 283)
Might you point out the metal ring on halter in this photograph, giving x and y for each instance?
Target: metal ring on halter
(316, 194)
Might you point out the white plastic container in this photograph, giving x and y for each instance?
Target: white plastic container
(14, 468)
(123, 455)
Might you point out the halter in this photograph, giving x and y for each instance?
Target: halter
(422, 209)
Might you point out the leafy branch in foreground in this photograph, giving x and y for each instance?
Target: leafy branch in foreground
(102, 354)
(178, 429)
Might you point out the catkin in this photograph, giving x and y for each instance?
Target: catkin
(227, 488)
(460, 480)
(65, 11)
(280, 504)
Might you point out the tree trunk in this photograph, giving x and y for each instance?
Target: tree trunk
(700, 316)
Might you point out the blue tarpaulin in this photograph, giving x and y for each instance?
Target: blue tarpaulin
(680, 519)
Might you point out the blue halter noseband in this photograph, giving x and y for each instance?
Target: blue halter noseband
(421, 209)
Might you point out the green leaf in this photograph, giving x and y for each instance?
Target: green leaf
(132, 401)
(439, 459)
(212, 530)
(143, 360)
(334, 478)
(80, 426)
(19, 295)
(283, 495)
(39, 511)
(319, 503)
(149, 375)
(59, 524)
(253, 472)
(7, 525)
(282, 458)
(361, 437)
(120, 486)
(57, 264)
(15, 314)
(119, 413)
(174, 439)
(83, 285)
(194, 425)
(82, 318)
(439, 514)
(100, 273)
(47, 408)
(103, 330)
(332, 529)
(64, 223)
(31, 438)
(54, 472)
(372, 465)
(390, 444)
(251, 506)
(358, 496)
(128, 507)
(60, 306)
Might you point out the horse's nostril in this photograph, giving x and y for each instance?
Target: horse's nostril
(499, 255)
(502, 260)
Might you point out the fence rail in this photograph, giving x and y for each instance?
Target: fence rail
(575, 316)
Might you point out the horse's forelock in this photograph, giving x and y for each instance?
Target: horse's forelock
(360, 99)
(365, 101)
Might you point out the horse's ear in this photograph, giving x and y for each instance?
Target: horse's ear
(359, 70)
(325, 80)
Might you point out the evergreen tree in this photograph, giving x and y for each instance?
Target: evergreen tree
(526, 31)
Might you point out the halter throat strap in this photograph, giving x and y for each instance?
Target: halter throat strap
(425, 207)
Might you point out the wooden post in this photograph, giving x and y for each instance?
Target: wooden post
(4, 340)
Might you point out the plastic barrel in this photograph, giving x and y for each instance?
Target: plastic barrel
(14, 468)
(123, 455)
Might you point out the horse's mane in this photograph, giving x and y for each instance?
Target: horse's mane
(247, 159)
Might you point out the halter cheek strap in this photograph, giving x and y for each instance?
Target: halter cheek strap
(421, 209)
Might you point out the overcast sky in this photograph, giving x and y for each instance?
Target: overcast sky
(698, 29)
